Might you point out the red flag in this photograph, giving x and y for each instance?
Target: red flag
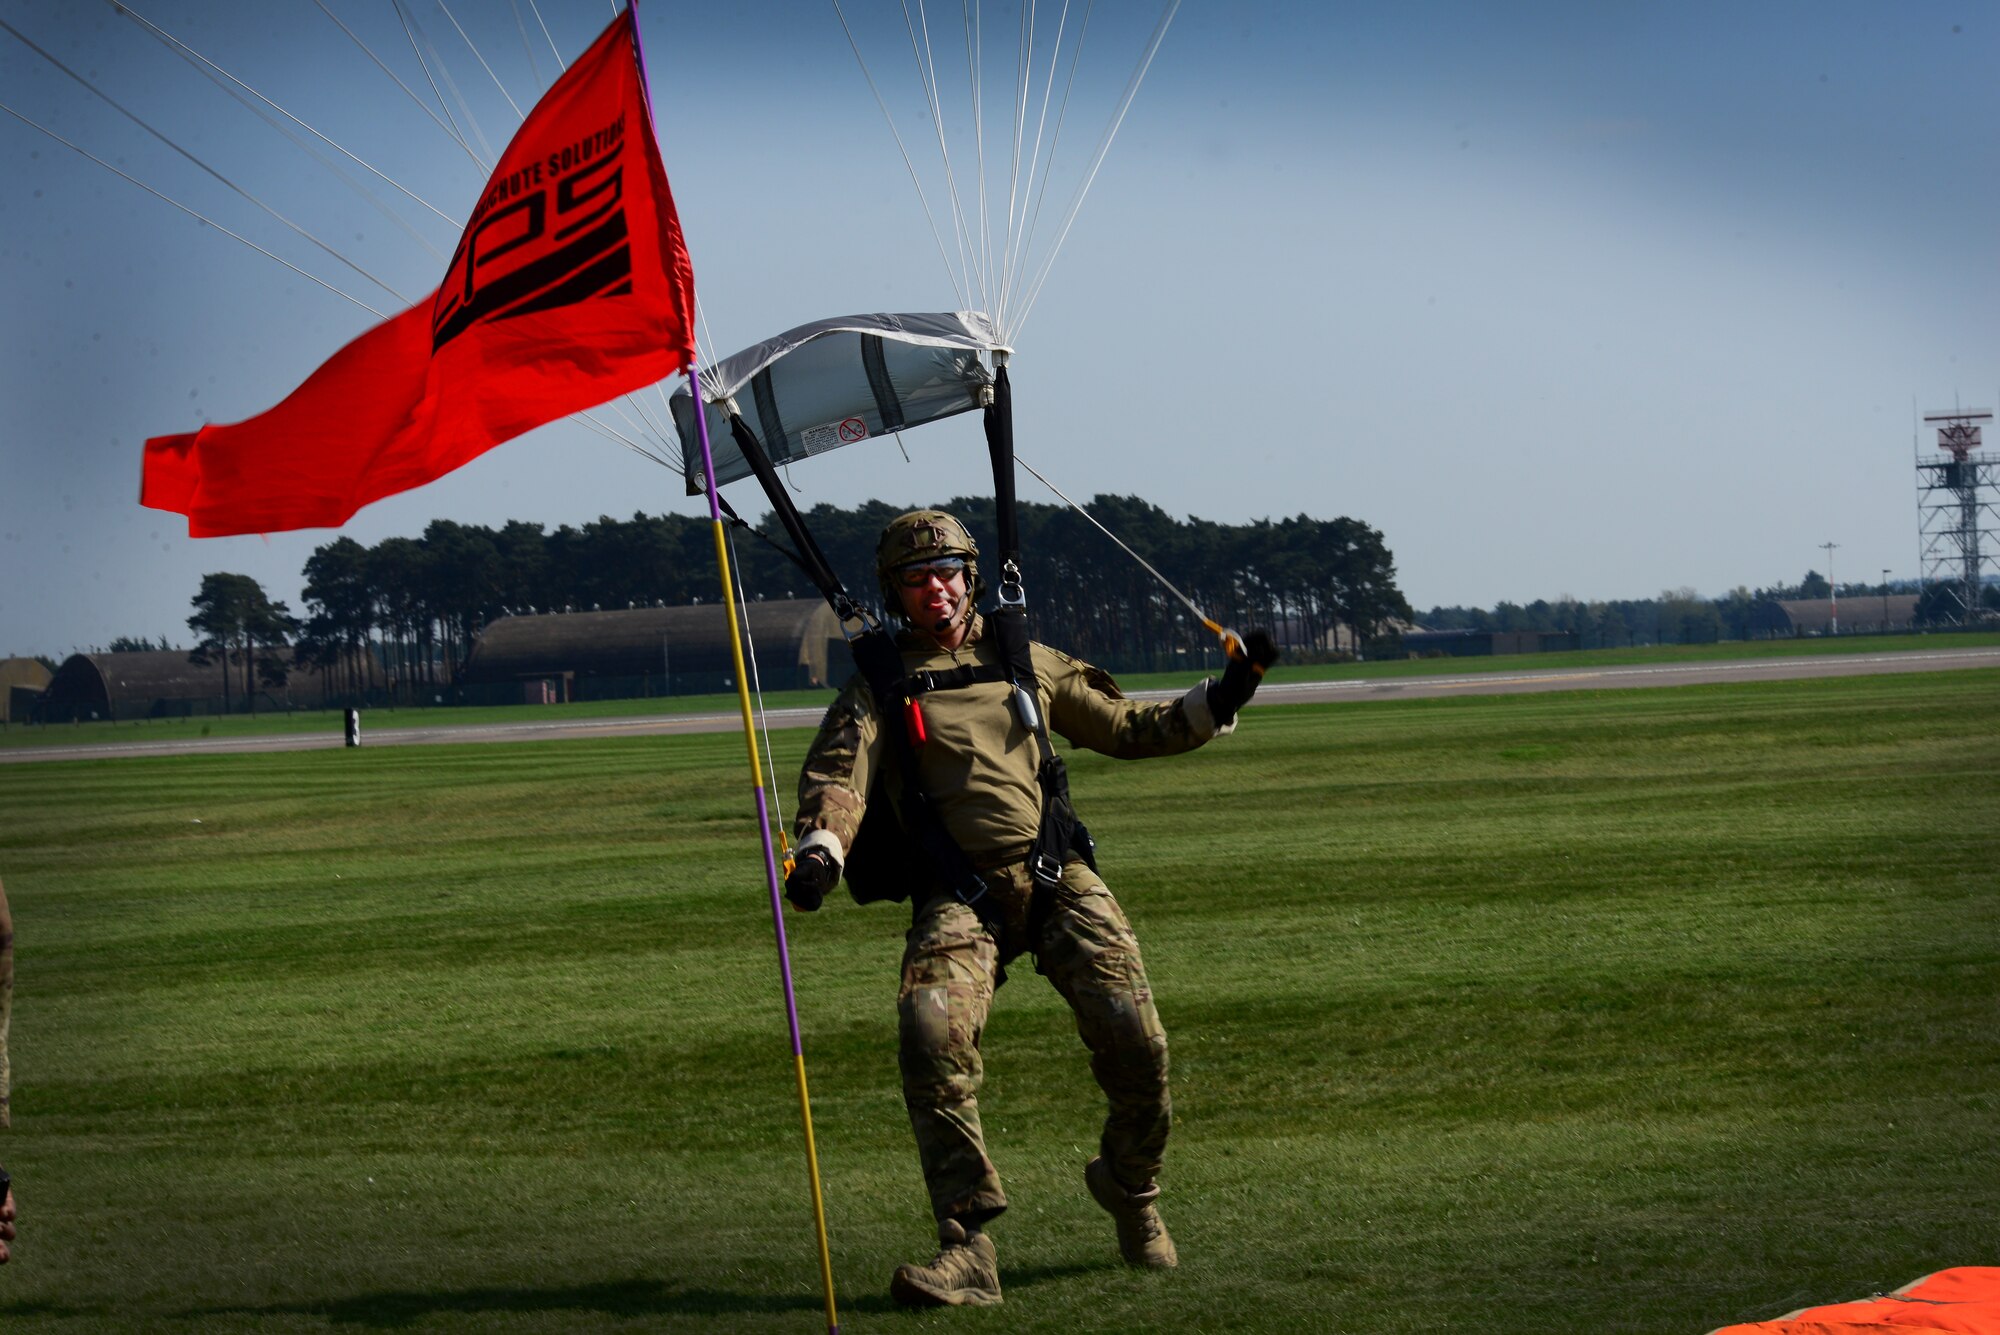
(571, 285)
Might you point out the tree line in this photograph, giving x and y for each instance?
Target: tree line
(413, 607)
(1679, 616)
(1302, 577)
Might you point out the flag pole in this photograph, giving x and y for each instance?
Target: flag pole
(770, 854)
(756, 773)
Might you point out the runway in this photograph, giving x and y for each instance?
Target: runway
(1499, 682)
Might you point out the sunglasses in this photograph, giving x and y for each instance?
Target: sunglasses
(916, 576)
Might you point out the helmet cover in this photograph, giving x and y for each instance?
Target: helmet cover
(920, 536)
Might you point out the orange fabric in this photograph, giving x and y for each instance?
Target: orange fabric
(1962, 1284)
(1808, 1327)
(571, 286)
(1962, 1301)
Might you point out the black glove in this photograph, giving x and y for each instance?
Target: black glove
(1239, 680)
(813, 874)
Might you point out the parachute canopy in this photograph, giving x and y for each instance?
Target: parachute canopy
(834, 382)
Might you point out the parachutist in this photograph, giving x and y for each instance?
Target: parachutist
(970, 821)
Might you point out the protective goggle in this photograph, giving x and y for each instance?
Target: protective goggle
(917, 575)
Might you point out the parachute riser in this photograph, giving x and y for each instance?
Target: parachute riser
(807, 555)
(999, 422)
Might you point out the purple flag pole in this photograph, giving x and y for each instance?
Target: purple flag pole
(756, 778)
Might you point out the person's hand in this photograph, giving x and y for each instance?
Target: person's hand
(813, 874)
(1239, 680)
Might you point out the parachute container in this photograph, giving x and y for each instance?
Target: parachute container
(835, 382)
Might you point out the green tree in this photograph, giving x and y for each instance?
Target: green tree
(340, 613)
(1736, 610)
(233, 616)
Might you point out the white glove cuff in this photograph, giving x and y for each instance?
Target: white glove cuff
(1195, 705)
(826, 840)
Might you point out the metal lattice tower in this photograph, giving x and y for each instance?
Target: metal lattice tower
(1958, 524)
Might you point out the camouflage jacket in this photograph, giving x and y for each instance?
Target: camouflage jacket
(978, 764)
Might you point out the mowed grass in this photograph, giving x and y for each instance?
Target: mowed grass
(1624, 1011)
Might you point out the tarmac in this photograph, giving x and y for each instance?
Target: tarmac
(1499, 682)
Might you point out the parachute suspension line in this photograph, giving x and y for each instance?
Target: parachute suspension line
(900, 148)
(527, 47)
(451, 131)
(213, 70)
(607, 432)
(1024, 243)
(1231, 641)
(137, 120)
(704, 349)
(1023, 78)
(974, 55)
(636, 430)
(412, 30)
(198, 217)
(1103, 147)
(536, 9)
(662, 436)
(1024, 46)
(926, 63)
(474, 48)
(668, 439)
(707, 335)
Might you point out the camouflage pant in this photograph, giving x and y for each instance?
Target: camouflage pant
(1087, 950)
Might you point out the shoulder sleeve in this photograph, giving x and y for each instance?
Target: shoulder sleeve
(833, 784)
(1088, 710)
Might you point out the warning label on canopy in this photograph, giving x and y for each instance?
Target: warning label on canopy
(832, 435)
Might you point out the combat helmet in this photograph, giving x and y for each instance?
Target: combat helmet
(924, 535)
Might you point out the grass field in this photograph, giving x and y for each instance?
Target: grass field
(1632, 1011)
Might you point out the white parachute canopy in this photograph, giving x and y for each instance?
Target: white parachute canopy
(834, 382)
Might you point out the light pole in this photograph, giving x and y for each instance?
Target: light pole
(1885, 600)
(1832, 590)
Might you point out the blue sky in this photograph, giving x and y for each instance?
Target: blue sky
(1565, 298)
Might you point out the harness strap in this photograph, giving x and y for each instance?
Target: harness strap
(809, 558)
(919, 684)
(1060, 833)
(875, 653)
(881, 663)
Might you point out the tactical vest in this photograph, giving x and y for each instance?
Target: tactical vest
(889, 858)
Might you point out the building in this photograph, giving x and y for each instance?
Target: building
(1860, 614)
(22, 681)
(168, 683)
(797, 643)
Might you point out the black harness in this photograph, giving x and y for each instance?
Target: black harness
(888, 858)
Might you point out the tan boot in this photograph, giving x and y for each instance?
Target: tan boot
(1142, 1237)
(964, 1273)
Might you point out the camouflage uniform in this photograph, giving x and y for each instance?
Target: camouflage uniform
(978, 768)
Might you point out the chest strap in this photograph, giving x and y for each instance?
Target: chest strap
(919, 684)
(881, 664)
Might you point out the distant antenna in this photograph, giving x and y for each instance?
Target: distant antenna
(1958, 525)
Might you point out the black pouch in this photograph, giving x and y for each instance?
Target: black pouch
(884, 862)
